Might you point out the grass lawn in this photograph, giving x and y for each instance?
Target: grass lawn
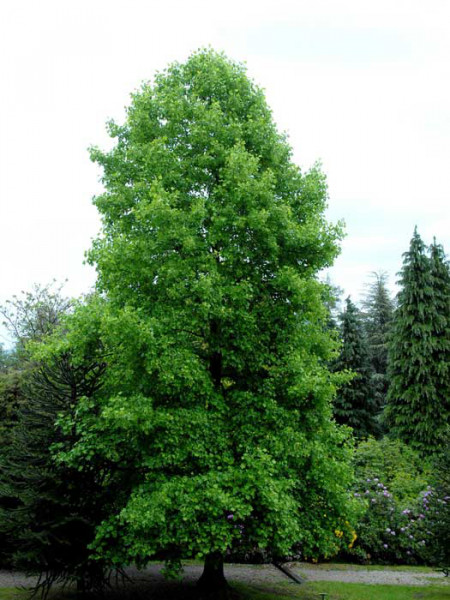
(348, 591)
(307, 591)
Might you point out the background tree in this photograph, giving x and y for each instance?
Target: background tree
(11, 397)
(48, 511)
(418, 407)
(4, 359)
(29, 317)
(214, 329)
(34, 314)
(378, 308)
(355, 403)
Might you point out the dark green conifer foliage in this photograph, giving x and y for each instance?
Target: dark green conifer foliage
(48, 511)
(378, 314)
(418, 409)
(354, 403)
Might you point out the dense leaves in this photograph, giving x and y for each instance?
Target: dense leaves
(404, 519)
(216, 389)
(48, 511)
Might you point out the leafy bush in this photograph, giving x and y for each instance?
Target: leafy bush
(405, 520)
(436, 505)
(398, 466)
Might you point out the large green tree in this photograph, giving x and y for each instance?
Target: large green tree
(418, 409)
(214, 329)
(355, 403)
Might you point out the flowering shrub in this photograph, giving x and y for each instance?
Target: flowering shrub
(398, 466)
(389, 534)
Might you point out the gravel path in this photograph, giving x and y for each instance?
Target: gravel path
(261, 576)
(348, 574)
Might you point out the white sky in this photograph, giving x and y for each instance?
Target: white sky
(363, 86)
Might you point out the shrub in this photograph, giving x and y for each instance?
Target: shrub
(402, 470)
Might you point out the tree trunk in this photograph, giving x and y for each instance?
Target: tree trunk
(213, 579)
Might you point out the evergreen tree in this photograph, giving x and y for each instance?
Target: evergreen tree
(48, 511)
(214, 330)
(418, 409)
(354, 404)
(378, 314)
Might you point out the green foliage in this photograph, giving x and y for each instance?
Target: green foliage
(11, 396)
(378, 314)
(4, 359)
(216, 392)
(418, 409)
(437, 504)
(34, 315)
(354, 404)
(405, 519)
(48, 511)
(388, 534)
(398, 466)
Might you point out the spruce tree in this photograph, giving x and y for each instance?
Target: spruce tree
(354, 404)
(418, 409)
(378, 314)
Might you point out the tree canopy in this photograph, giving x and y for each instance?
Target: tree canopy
(211, 318)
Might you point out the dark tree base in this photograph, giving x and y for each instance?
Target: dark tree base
(212, 584)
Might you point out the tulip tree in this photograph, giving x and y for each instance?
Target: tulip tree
(211, 318)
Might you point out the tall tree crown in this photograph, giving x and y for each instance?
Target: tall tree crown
(418, 407)
(213, 326)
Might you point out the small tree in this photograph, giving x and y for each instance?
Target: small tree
(34, 315)
(418, 409)
(48, 511)
(354, 404)
(214, 330)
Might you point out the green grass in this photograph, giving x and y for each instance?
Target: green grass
(308, 591)
(346, 591)
(11, 594)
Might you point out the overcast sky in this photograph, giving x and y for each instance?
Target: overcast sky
(362, 86)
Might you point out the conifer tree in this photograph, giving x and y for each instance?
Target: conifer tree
(418, 409)
(378, 314)
(48, 511)
(354, 404)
